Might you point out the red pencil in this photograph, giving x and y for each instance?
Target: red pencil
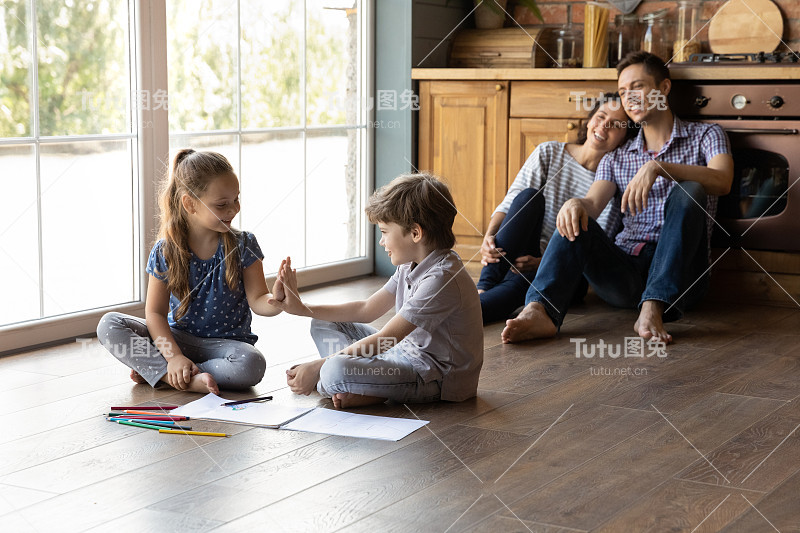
(150, 417)
(153, 408)
(137, 412)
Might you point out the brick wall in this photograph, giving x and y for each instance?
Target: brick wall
(564, 11)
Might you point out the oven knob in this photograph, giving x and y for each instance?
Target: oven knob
(739, 101)
(701, 101)
(775, 102)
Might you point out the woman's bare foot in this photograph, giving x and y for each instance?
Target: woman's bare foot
(343, 400)
(137, 378)
(649, 324)
(203, 383)
(532, 323)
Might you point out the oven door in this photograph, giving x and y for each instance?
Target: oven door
(762, 211)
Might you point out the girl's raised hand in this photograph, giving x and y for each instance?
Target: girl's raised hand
(278, 290)
(288, 279)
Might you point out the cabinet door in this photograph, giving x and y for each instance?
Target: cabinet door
(525, 134)
(463, 139)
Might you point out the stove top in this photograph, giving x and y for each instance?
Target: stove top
(765, 58)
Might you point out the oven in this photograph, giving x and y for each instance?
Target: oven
(762, 120)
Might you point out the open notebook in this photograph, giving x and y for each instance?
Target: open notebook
(268, 415)
(310, 419)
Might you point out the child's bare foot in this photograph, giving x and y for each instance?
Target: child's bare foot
(137, 378)
(203, 383)
(532, 323)
(343, 400)
(649, 324)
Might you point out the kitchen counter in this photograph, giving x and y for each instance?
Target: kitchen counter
(736, 72)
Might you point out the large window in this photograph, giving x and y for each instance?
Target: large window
(278, 87)
(275, 87)
(69, 237)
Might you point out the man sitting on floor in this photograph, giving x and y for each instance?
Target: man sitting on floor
(670, 176)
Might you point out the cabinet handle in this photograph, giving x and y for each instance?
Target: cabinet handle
(498, 87)
(570, 125)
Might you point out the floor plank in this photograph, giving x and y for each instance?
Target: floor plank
(591, 494)
(682, 506)
(758, 458)
(778, 510)
(347, 498)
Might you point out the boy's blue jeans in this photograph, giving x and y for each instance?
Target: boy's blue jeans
(672, 271)
(389, 374)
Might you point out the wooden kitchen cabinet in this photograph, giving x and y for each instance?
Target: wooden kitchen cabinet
(463, 132)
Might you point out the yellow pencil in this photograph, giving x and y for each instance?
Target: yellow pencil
(203, 433)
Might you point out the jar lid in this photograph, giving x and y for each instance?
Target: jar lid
(630, 17)
(656, 15)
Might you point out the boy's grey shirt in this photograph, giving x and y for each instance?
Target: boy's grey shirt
(440, 298)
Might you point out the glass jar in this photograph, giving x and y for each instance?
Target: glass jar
(623, 37)
(568, 47)
(687, 41)
(656, 37)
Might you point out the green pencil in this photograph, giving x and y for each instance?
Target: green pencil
(137, 424)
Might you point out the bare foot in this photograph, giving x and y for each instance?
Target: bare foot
(137, 378)
(343, 400)
(532, 323)
(649, 323)
(203, 383)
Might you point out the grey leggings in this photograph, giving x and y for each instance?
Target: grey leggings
(233, 364)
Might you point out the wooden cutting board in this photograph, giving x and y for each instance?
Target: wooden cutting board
(739, 27)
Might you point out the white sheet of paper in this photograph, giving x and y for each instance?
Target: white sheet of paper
(345, 424)
(266, 414)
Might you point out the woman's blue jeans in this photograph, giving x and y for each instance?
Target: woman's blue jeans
(519, 234)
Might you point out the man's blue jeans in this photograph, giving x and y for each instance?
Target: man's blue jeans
(672, 271)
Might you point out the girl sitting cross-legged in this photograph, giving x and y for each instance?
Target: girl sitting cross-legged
(205, 277)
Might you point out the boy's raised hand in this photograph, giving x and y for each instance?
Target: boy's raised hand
(287, 277)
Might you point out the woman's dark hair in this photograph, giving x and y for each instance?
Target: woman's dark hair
(630, 126)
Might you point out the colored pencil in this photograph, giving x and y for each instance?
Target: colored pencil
(137, 412)
(202, 433)
(165, 425)
(248, 400)
(138, 424)
(151, 417)
(153, 408)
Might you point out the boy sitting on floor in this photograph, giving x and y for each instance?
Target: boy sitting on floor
(432, 348)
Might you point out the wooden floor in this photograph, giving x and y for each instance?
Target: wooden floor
(704, 439)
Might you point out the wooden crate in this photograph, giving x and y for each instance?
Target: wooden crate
(502, 48)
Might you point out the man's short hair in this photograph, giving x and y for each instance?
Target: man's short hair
(653, 65)
(416, 199)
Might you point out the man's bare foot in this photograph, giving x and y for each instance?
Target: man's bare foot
(649, 323)
(532, 323)
(343, 400)
(137, 378)
(203, 383)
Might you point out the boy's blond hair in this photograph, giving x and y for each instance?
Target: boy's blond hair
(416, 199)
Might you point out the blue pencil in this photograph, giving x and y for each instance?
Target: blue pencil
(149, 424)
